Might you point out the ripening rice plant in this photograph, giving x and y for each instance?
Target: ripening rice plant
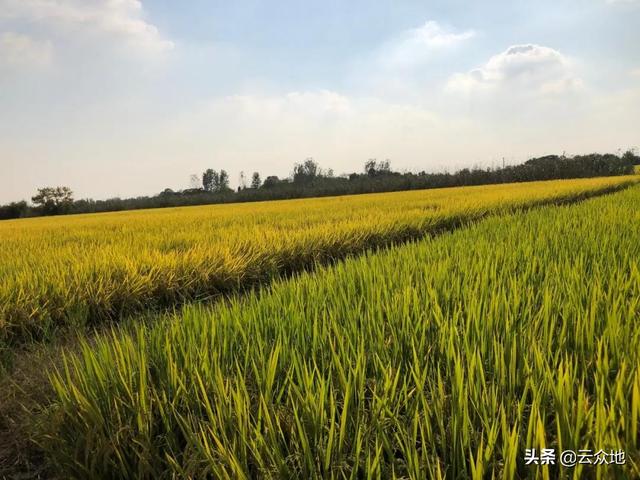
(444, 358)
(85, 269)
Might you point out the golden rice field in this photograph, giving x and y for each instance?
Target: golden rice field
(85, 269)
(444, 358)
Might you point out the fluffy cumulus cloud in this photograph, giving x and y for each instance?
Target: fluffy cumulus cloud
(120, 20)
(521, 69)
(417, 44)
(22, 51)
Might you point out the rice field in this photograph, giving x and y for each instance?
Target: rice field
(87, 269)
(442, 358)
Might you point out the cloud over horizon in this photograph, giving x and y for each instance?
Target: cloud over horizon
(526, 68)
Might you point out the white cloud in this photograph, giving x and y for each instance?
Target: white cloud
(635, 72)
(521, 68)
(627, 2)
(414, 45)
(22, 51)
(123, 19)
(432, 35)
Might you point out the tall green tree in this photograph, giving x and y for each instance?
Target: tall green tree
(223, 181)
(209, 177)
(53, 200)
(306, 171)
(256, 182)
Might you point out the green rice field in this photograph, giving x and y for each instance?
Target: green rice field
(447, 357)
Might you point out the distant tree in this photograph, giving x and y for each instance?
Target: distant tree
(271, 181)
(215, 182)
(194, 181)
(209, 178)
(52, 200)
(377, 177)
(630, 156)
(370, 167)
(256, 182)
(373, 168)
(14, 210)
(223, 181)
(306, 171)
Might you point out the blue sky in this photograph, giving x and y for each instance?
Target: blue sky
(122, 97)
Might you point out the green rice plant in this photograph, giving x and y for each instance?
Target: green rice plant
(444, 358)
(87, 269)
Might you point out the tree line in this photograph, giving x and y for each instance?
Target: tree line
(308, 179)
